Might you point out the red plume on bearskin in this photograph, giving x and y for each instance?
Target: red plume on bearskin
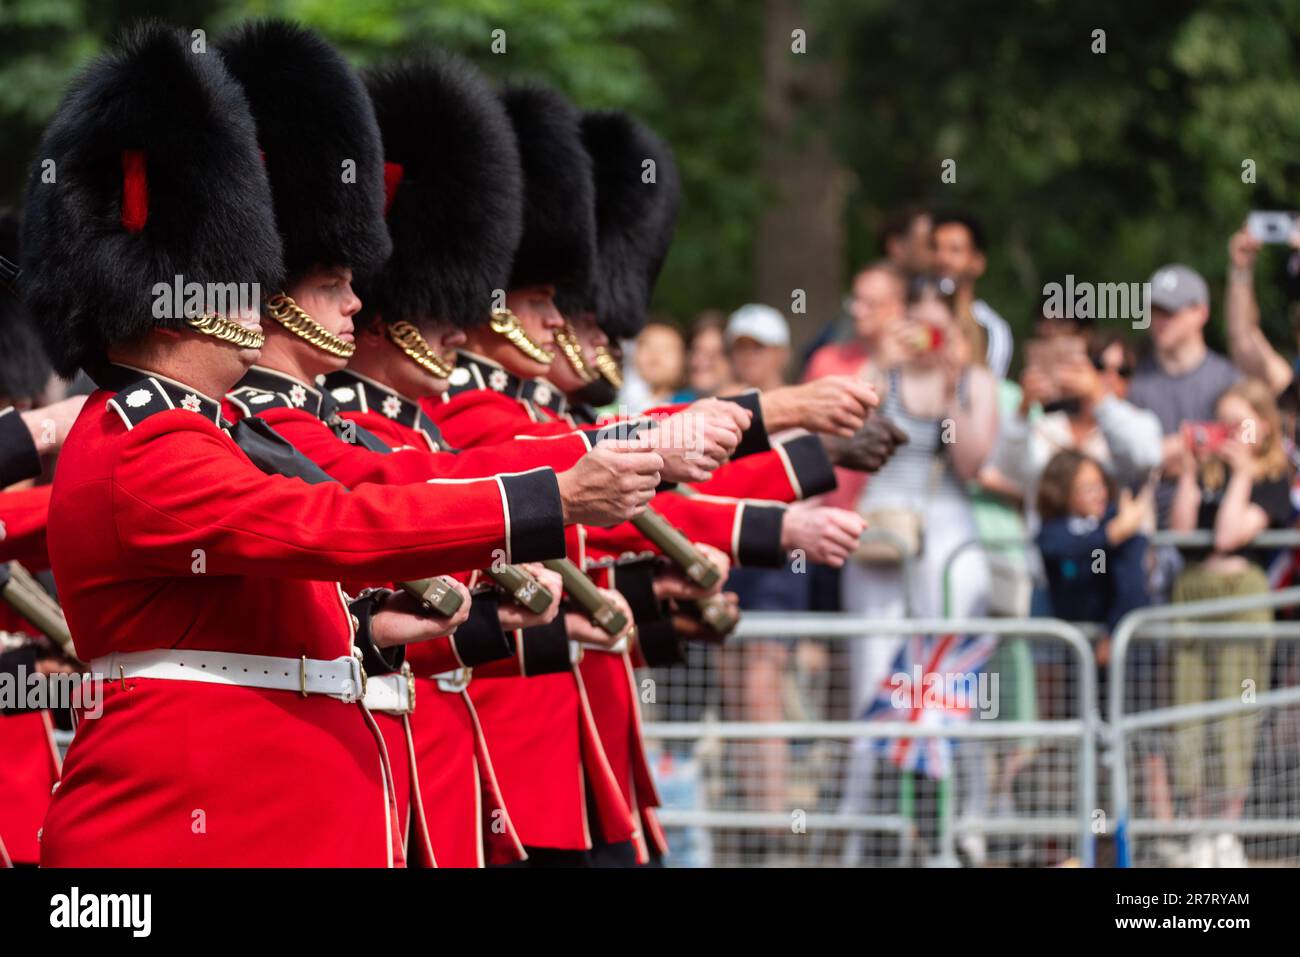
(148, 171)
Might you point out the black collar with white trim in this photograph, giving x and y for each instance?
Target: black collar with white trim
(261, 387)
(141, 393)
(352, 392)
(582, 414)
(474, 372)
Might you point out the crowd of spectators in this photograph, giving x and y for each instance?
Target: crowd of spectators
(1061, 454)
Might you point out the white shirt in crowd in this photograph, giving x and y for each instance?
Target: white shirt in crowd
(998, 333)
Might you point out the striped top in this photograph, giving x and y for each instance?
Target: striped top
(908, 478)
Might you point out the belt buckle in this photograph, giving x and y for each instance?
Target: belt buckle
(455, 681)
(358, 677)
(409, 675)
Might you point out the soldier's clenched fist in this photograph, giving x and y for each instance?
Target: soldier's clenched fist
(401, 620)
(586, 632)
(870, 448)
(695, 442)
(514, 616)
(826, 535)
(610, 484)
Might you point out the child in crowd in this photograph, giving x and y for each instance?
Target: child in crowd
(1093, 551)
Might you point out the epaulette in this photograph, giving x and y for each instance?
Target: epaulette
(153, 394)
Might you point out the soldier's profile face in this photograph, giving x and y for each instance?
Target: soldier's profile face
(534, 307)
(326, 294)
(562, 375)
(590, 336)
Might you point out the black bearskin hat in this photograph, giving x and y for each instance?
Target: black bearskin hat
(636, 215)
(24, 369)
(317, 132)
(149, 170)
(454, 188)
(559, 241)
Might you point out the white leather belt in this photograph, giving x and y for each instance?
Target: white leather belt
(341, 678)
(455, 681)
(391, 694)
(617, 648)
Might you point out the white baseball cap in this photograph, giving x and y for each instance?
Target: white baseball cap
(761, 323)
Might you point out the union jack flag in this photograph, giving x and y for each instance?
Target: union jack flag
(934, 683)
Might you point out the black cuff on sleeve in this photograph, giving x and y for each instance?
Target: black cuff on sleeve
(544, 649)
(534, 516)
(18, 665)
(811, 472)
(376, 661)
(758, 540)
(655, 634)
(755, 437)
(660, 645)
(618, 431)
(19, 459)
(635, 580)
(481, 638)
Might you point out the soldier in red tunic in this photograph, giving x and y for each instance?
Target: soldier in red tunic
(29, 758)
(199, 563)
(636, 222)
(313, 114)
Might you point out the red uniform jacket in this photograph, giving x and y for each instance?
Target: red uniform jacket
(460, 819)
(474, 411)
(29, 770)
(164, 534)
(545, 742)
(22, 527)
(486, 403)
(29, 759)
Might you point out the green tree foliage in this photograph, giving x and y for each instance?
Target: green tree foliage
(1104, 165)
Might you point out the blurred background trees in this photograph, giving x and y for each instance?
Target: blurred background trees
(1100, 164)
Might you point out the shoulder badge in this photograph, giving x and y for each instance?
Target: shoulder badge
(150, 395)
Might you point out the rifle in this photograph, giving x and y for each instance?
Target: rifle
(584, 591)
(435, 594)
(26, 596)
(523, 587)
(438, 595)
(701, 572)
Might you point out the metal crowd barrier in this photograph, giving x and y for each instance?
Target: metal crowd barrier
(1187, 622)
(1081, 729)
